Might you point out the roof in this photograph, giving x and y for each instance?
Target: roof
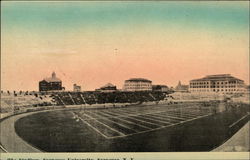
(159, 85)
(217, 77)
(138, 80)
(181, 87)
(52, 79)
(108, 85)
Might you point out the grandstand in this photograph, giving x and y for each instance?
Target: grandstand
(78, 98)
(11, 102)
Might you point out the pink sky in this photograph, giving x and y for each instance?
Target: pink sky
(164, 54)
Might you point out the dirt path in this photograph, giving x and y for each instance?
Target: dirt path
(10, 140)
(239, 142)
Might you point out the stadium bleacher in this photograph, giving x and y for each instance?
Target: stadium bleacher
(18, 101)
(78, 98)
(13, 101)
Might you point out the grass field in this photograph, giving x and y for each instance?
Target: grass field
(179, 127)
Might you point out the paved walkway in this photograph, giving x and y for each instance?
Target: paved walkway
(10, 140)
(239, 142)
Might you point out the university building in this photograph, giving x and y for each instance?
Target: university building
(160, 88)
(221, 83)
(137, 84)
(107, 88)
(50, 84)
(181, 87)
(76, 88)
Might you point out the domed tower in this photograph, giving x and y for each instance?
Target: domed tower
(50, 84)
(53, 75)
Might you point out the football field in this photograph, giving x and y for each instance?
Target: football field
(121, 122)
(139, 128)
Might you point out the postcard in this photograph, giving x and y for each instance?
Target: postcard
(124, 80)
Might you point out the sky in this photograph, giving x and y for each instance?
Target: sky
(94, 43)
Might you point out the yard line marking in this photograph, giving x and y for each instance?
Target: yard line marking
(88, 116)
(109, 127)
(130, 111)
(164, 118)
(180, 115)
(120, 113)
(192, 113)
(106, 126)
(183, 114)
(152, 119)
(145, 111)
(123, 113)
(148, 114)
(108, 112)
(91, 126)
(96, 116)
(159, 119)
(126, 115)
(133, 123)
(238, 121)
(171, 116)
(127, 112)
(101, 113)
(3, 148)
(143, 121)
(158, 128)
(119, 124)
(122, 125)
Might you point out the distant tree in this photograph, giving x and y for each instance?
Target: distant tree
(14, 92)
(20, 92)
(1, 91)
(8, 92)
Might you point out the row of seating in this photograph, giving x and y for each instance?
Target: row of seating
(11, 102)
(77, 98)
